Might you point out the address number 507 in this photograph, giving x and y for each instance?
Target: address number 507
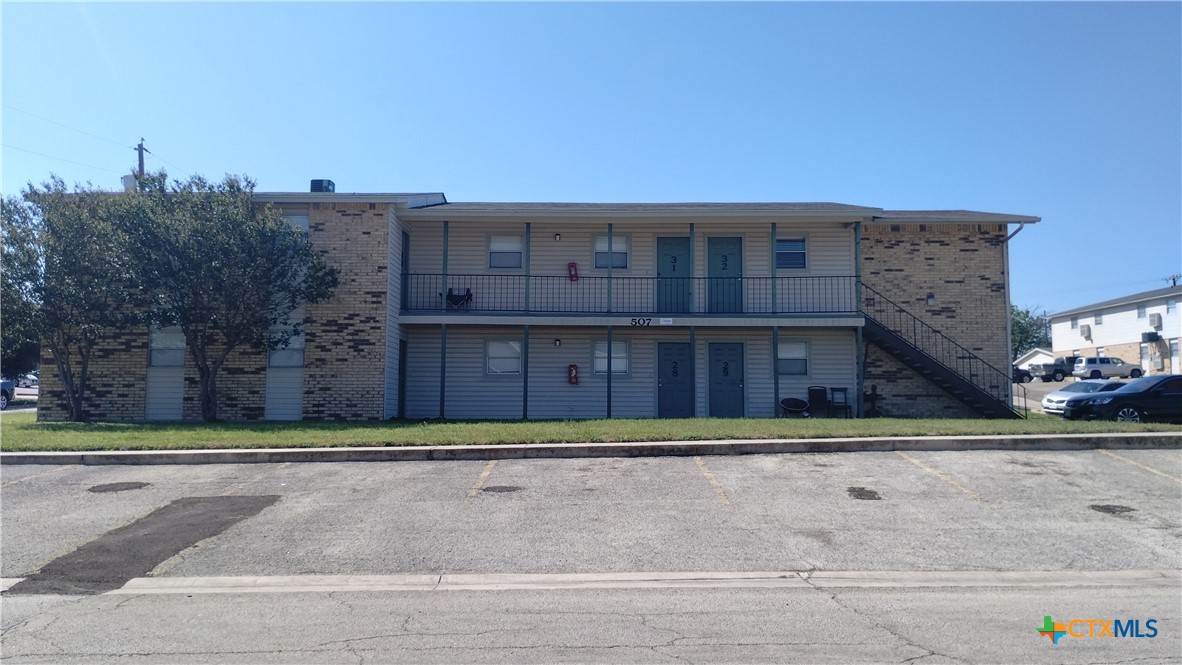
(642, 322)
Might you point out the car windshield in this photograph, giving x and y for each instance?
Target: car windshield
(1082, 387)
(1138, 385)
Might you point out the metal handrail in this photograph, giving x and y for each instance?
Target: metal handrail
(630, 295)
(942, 349)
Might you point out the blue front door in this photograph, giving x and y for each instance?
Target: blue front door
(673, 275)
(675, 380)
(725, 273)
(726, 380)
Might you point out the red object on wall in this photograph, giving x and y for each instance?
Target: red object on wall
(572, 374)
(572, 271)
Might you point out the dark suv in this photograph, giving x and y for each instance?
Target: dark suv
(1148, 398)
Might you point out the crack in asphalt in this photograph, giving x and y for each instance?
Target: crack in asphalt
(832, 595)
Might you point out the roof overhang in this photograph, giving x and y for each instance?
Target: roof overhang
(410, 200)
(951, 217)
(494, 211)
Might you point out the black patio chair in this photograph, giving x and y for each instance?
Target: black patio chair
(791, 406)
(459, 298)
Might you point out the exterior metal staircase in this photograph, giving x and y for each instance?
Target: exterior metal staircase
(985, 389)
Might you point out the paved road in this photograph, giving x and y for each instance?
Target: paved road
(323, 554)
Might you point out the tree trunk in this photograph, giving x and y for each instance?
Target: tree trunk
(209, 392)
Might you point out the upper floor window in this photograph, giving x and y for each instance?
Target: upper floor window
(166, 347)
(505, 251)
(1140, 311)
(619, 358)
(1074, 322)
(790, 253)
(619, 252)
(502, 357)
(1171, 304)
(1099, 318)
(792, 358)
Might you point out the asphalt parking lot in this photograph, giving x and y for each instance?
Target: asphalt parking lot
(980, 510)
(945, 557)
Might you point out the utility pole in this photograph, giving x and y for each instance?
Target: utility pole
(140, 149)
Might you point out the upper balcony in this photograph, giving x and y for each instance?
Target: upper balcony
(693, 297)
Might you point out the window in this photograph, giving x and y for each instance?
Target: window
(166, 347)
(792, 358)
(505, 251)
(790, 253)
(291, 355)
(619, 253)
(502, 358)
(1074, 322)
(1100, 352)
(1140, 311)
(1099, 318)
(298, 221)
(619, 357)
(1171, 304)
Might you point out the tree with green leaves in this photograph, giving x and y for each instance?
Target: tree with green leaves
(1028, 330)
(20, 276)
(225, 270)
(79, 272)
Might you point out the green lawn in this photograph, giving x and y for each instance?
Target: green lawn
(21, 432)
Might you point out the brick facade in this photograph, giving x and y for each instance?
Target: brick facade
(117, 374)
(963, 266)
(345, 352)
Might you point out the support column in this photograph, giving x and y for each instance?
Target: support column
(442, 369)
(527, 262)
(609, 354)
(443, 285)
(775, 277)
(776, 365)
(525, 372)
(694, 363)
(859, 304)
(693, 282)
(609, 301)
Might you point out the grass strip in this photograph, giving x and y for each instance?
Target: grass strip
(21, 432)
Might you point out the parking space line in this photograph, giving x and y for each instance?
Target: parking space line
(1139, 465)
(942, 476)
(713, 482)
(37, 475)
(480, 481)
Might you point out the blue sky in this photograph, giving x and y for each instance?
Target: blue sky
(1070, 112)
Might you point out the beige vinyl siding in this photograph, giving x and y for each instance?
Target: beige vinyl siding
(830, 252)
(551, 396)
(757, 376)
(471, 393)
(164, 393)
(832, 361)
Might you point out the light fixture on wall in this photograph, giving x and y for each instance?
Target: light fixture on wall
(931, 299)
(557, 236)
(557, 342)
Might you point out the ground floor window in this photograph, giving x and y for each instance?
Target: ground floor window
(502, 358)
(792, 358)
(619, 360)
(166, 347)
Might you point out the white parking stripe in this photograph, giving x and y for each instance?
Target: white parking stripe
(1138, 464)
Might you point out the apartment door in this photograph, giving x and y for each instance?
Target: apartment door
(675, 380)
(726, 380)
(725, 271)
(673, 275)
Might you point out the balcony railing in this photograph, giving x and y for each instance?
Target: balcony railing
(628, 295)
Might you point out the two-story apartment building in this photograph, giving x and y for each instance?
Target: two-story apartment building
(1142, 328)
(568, 310)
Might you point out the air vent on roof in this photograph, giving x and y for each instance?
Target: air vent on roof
(323, 186)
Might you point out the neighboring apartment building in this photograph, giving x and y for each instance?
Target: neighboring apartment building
(568, 310)
(1143, 328)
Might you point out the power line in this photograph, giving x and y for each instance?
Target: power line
(168, 162)
(60, 159)
(74, 129)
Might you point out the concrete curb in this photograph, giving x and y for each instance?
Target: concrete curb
(1024, 442)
